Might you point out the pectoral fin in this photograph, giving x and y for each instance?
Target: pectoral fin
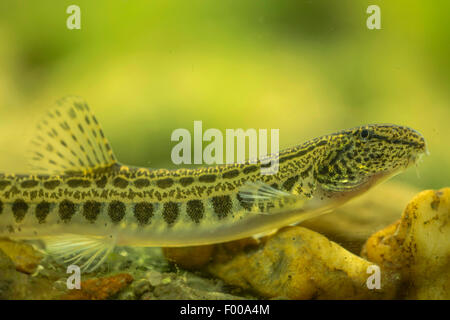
(88, 252)
(265, 199)
(344, 185)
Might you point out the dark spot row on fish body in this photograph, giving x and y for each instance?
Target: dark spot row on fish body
(101, 182)
(142, 183)
(116, 211)
(42, 211)
(143, 212)
(250, 169)
(120, 182)
(19, 209)
(222, 205)
(186, 181)
(76, 183)
(51, 184)
(91, 210)
(4, 184)
(208, 178)
(123, 182)
(164, 183)
(171, 211)
(29, 184)
(195, 210)
(230, 174)
(66, 210)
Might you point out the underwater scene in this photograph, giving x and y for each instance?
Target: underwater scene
(227, 150)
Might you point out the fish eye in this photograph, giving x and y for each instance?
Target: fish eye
(364, 133)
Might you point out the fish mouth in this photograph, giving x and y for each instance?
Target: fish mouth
(423, 146)
(417, 158)
(421, 150)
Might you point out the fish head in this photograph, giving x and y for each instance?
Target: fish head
(363, 156)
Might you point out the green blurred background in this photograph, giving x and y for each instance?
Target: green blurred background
(306, 67)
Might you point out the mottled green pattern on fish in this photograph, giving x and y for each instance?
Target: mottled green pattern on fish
(79, 188)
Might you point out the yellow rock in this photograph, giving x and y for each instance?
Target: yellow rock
(296, 263)
(16, 285)
(99, 288)
(353, 223)
(418, 246)
(189, 258)
(25, 258)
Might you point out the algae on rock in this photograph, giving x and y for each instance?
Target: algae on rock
(418, 246)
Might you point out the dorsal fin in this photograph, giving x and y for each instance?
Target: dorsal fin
(70, 140)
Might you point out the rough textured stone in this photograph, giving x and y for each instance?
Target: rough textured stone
(353, 223)
(99, 288)
(189, 258)
(418, 246)
(24, 257)
(297, 263)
